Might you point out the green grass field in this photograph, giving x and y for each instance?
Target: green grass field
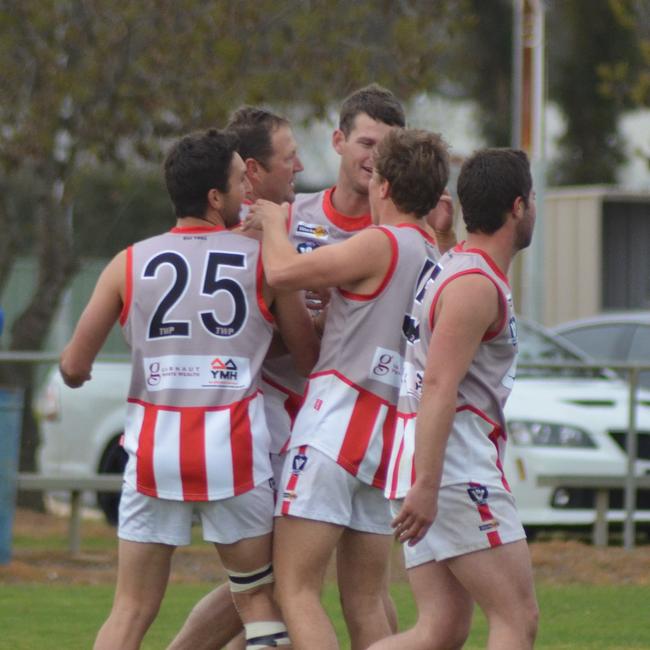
(64, 615)
(575, 617)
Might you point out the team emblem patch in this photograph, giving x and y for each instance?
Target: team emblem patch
(478, 494)
(298, 463)
(306, 247)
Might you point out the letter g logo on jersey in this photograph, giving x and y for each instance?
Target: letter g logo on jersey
(153, 378)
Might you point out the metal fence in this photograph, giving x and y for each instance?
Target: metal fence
(631, 370)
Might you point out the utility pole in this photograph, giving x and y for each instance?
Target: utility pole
(528, 133)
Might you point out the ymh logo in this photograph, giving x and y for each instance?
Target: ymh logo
(223, 369)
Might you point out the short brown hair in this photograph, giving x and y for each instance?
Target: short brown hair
(416, 165)
(195, 164)
(376, 102)
(254, 127)
(488, 184)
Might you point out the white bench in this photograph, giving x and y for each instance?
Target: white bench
(601, 486)
(75, 485)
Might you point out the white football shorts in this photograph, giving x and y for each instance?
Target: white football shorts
(471, 517)
(163, 521)
(314, 486)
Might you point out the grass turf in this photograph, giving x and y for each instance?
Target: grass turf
(67, 616)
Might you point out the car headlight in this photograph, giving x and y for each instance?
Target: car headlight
(547, 434)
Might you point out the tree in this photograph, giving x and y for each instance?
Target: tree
(590, 41)
(90, 81)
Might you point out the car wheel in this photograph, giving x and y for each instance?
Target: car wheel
(113, 461)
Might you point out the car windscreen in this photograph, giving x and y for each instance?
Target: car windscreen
(536, 346)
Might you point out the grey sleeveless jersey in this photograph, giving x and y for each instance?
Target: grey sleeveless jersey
(476, 445)
(313, 222)
(198, 328)
(350, 404)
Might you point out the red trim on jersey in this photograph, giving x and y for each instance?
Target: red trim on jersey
(128, 286)
(241, 444)
(486, 515)
(292, 403)
(489, 334)
(494, 435)
(182, 230)
(388, 434)
(259, 283)
(340, 220)
(347, 381)
(193, 469)
(170, 407)
(489, 261)
(422, 231)
(389, 273)
(291, 486)
(144, 472)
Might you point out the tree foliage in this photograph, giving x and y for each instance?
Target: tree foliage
(590, 43)
(90, 81)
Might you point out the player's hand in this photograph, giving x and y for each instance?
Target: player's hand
(441, 218)
(316, 300)
(263, 212)
(417, 514)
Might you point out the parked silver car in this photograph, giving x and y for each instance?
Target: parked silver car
(613, 336)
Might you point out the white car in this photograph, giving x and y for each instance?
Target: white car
(569, 421)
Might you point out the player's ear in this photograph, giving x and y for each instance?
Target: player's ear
(253, 168)
(384, 189)
(338, 139)
(518, 207)
(215, 199)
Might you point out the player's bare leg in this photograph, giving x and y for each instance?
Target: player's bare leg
(302, 549)
(511, 609)
(211, 624)
(363, 570)
(246, 562)
(444, 612)
(142, 575)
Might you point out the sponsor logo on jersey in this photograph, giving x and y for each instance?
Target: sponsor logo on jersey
(153, 377)
(307, 246)
(386, 367)
(196, 372)
(223, 369)
(312, 230)
(289, 495)
(478, 494)
(317, 404)
(488, 525)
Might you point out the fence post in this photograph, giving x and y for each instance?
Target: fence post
(11, 412)
(631, 447)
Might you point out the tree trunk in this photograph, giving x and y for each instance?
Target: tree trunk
(57, 264)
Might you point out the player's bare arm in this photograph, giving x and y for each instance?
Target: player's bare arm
(441, 221)
(296, 328)
(95, 324)
(467, 308)
(358, 264)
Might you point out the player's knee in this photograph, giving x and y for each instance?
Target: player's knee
(251, 581)
(266, 634)
(531, 621)
(437, 635)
